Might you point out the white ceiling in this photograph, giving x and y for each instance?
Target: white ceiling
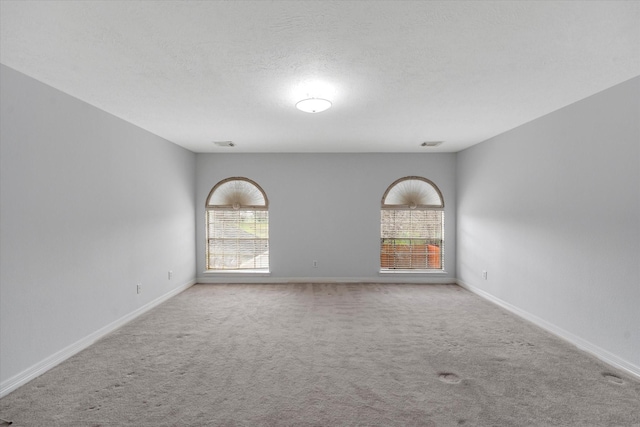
(398, 73)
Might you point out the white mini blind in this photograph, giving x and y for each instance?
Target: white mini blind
(238, 239)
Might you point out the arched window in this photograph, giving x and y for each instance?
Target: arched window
(412, 226)
(237, 226)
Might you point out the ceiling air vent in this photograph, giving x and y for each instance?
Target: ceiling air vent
(431, 143)
(224, 143)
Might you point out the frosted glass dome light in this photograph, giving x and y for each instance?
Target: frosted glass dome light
(313, 105)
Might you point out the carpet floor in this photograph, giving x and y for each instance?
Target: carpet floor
(327, 355)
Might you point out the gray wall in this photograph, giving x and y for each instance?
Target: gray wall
(90, 206)
(551, 210)
(326, 207)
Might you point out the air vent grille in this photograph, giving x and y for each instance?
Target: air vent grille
(224, 143)
(431, 143)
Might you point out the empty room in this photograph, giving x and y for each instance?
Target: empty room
(319, 213)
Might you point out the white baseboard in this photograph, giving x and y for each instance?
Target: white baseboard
(392, 278)
(55, 359)
(581, 343)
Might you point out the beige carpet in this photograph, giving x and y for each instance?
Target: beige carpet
(328, 355)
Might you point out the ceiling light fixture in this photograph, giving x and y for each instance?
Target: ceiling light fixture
(313, 105)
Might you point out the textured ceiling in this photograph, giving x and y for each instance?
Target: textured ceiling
(398, 73)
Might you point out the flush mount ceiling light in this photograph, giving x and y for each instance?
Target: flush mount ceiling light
(313, 105)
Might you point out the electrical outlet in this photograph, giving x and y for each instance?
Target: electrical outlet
(315, 264)
(484, 274)
(139, 288)
(170, 275)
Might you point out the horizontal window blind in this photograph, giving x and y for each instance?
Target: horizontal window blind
(237, 239)
(412, 239)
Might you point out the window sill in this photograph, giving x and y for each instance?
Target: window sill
(235, 273)
(399, 271)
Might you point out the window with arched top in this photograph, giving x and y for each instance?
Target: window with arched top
(237, 226)
(412, 226)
